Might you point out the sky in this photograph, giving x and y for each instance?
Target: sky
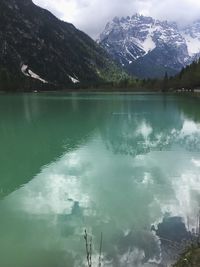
(91, 16)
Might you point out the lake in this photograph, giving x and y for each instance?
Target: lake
(114, 164)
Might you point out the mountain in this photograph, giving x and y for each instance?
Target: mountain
(148, 48)
(188, 78)
(191, 34)
(37, 48)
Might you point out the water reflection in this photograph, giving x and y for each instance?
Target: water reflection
(130, 160)
(35, 130)
(139, 129)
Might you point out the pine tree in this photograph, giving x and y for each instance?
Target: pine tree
(165, 83)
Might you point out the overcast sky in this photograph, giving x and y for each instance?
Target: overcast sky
(91, 16)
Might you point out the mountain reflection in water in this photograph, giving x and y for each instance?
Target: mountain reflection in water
(115, 164)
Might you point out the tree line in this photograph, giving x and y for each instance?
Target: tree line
(188, 78)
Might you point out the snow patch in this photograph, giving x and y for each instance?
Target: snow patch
(148, 44)
(74, 80)
(29, 73)
(193, 44)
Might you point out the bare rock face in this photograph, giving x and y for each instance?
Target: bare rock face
(149, 47)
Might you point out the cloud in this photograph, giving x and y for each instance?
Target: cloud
(91, 16)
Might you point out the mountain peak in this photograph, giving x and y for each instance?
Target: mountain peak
(142, 38)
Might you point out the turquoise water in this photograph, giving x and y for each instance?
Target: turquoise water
(110, 163)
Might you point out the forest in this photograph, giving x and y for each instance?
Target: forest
(187, 79)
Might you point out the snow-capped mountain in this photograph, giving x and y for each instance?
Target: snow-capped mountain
(149, 47)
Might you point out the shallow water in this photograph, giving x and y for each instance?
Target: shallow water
(110, 163)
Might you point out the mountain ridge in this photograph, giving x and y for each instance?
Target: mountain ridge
(37, 46)
(162, 43)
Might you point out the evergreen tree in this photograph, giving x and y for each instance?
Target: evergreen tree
(165, 83)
